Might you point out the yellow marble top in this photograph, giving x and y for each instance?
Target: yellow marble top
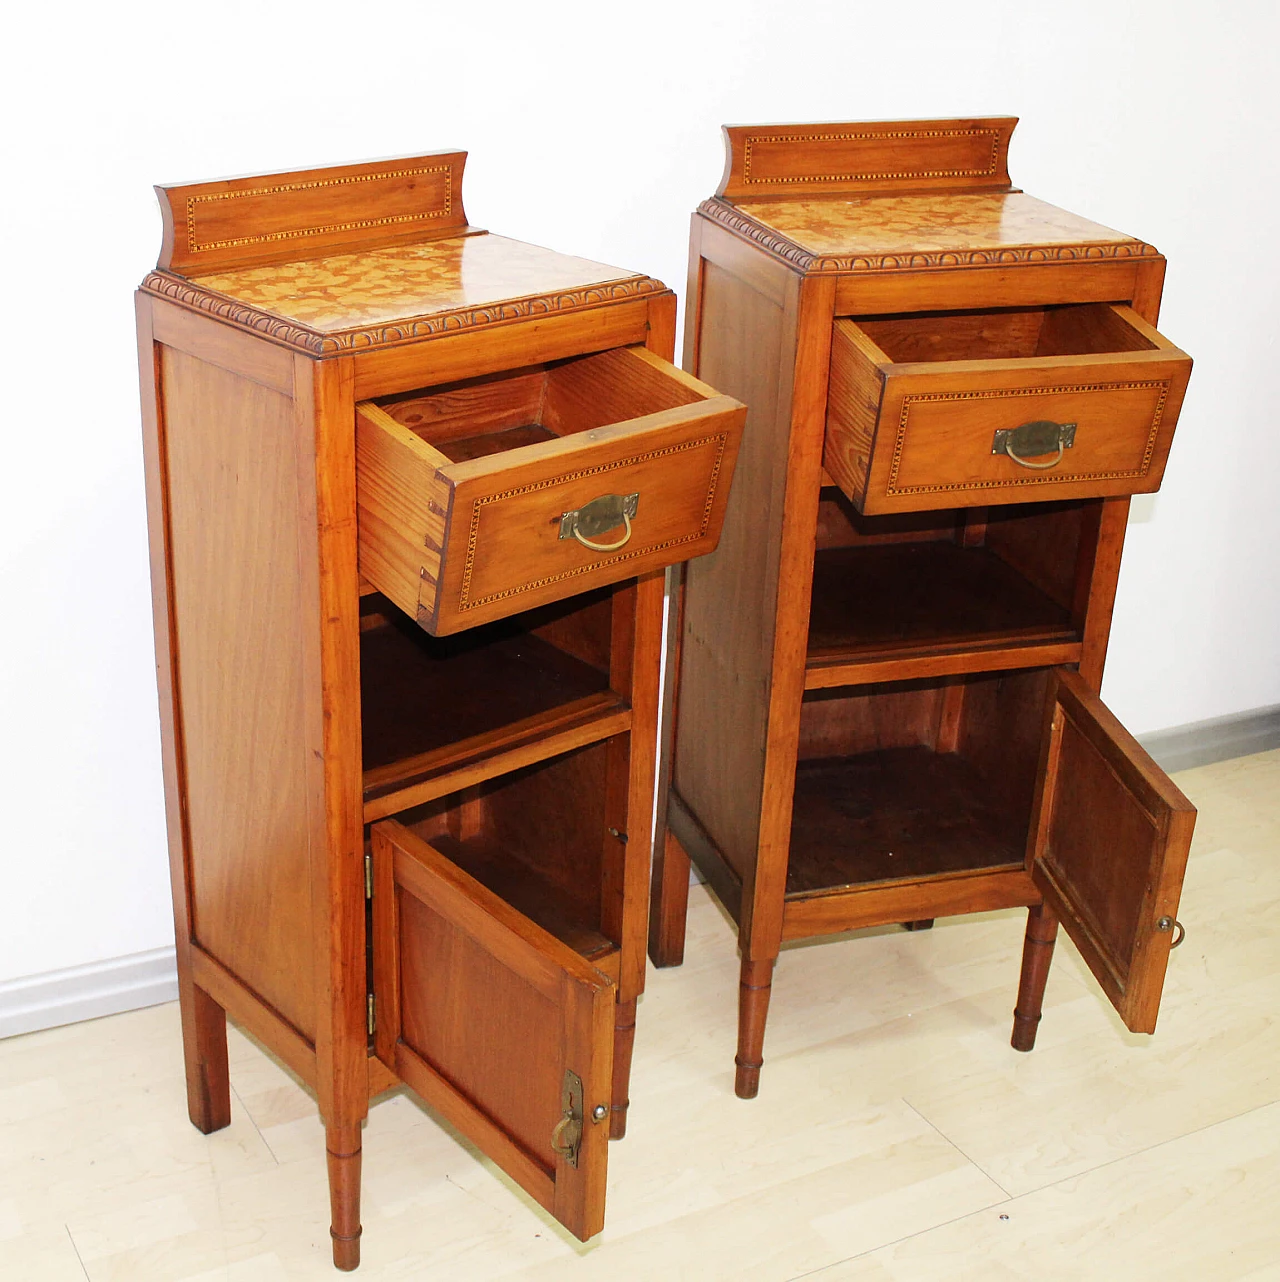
(400, 282)
(934, 223)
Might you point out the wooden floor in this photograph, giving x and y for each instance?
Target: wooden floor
(896, 1135)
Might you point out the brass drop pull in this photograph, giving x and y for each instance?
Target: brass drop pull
(1166, 924)
(601, 514)
(566, 1135)
(1023, 443)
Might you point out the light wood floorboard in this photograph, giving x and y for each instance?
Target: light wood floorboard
(896, 1138)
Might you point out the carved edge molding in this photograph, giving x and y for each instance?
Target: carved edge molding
(807, 261)
(178, 289)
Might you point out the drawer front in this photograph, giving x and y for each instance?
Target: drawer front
(908, 437)
(508, 544)
(460, 543)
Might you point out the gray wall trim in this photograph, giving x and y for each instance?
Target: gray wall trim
(1204, 742)
(87, 992)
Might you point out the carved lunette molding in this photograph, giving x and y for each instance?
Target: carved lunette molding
(781, 247)
(179, 290)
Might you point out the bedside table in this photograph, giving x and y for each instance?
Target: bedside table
(886, 678)
(411, 489)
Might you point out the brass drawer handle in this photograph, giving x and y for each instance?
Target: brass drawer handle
(601, 514)
(1035, 438)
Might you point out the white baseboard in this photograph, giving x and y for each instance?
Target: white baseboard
(87, 992)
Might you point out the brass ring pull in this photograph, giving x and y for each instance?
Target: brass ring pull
(604, 547)
(599, 517)
(1021, 444)
(1039, 467)
(1181, 935)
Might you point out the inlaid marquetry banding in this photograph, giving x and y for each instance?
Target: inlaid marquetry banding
(1043, 478)
(719, 439)
(189, 294)
(195, 247)
(868, 176)
(1008, 256)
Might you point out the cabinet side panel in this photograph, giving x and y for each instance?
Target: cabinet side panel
(238, 613)
(727, 644)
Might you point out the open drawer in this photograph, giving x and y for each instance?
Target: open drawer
(955, 409)
(491, 496)
(502, 1026)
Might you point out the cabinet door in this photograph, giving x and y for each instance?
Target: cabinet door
(501, 1027)
(1108, 847)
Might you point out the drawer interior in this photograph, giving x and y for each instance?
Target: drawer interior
(1007, 333)
(431, 706)
(536, 838)
(909, 780)
(939, 591)
(479, 417)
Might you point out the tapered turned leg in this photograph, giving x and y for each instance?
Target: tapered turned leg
(753, 1008)
(1037, 953)
(669, 903)
(343, 1147)
(624, 1040)
(924, 923)
(204, 1045)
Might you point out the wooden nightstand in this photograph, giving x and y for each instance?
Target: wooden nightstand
(888, 672)
(412, 488)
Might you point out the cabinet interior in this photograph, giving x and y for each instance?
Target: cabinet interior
(937, 587)
(536, 838)
(913, 779)
(1005, 333)
(430, 705)
(478, 417)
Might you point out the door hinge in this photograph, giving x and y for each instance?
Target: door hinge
(368, 876)
(373, 1014)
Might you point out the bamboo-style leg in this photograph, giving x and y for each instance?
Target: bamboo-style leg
(923, 923)
(624, 1040)
(343, 1148)
(754, 986)
(1037, 953)
(204, 1045)
(669, 903)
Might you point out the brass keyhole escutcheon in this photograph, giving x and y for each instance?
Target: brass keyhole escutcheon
(566, 1136)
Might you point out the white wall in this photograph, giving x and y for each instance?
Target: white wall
(593, 128)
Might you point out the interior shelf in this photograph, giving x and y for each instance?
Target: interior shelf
(898, 814)
(896, 611)
(440, 712)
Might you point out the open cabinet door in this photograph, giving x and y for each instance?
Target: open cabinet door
(501, 1027)
(1110, 833)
